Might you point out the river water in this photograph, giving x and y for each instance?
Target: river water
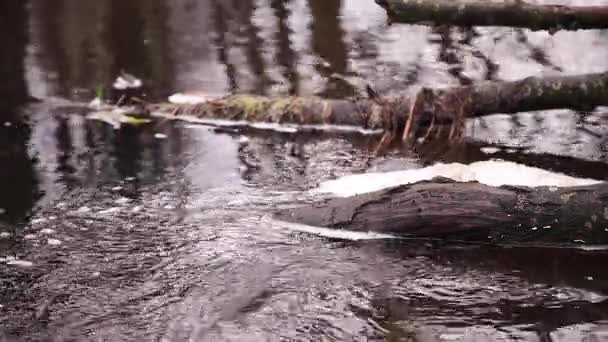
(161, 233)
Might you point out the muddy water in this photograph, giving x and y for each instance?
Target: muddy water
(129, 236)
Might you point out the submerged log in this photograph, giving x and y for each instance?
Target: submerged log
(487, 13)
(442, 208)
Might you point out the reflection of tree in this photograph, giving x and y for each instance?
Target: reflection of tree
(13, 35)
(286, 56)
(254, 46)
(18, 182)
(89, 42)
(221, 41)
(328, 43)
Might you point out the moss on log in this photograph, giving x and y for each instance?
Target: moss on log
(293, 110)
(442, 208)
(487, 13)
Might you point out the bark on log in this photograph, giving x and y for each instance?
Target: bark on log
(486, 13)
(485, 98)
(445, 209)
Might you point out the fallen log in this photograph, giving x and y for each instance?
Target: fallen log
(405, 114)
(442, 208)
(487, 13)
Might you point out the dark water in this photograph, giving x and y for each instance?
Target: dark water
(135, 238)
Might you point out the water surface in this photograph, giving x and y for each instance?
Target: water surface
(122, 236)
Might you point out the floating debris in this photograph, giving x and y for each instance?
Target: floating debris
(29, 236)
(127, 81)
(2, 211)
(47, 231)
(116, 117)
(8, 124)
(5, 235)
(160, 136)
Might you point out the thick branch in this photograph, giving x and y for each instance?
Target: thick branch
(487, 13)
(469, 211)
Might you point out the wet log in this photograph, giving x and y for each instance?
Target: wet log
(442, 208)
(392, 112)
(487, 13)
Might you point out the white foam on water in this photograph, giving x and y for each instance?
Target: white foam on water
(47, 231)
(109, 211)
(269, 126)
(490, 150)
(20, 263)
(122, 201)
(328, 232)
(493, 173)
(83, 210)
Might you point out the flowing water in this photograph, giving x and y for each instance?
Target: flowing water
(161, 233)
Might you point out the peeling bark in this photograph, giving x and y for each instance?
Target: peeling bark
(485, 13)
(442, 208)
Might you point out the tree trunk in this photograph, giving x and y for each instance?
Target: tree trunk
(442, 208)
(486, 13)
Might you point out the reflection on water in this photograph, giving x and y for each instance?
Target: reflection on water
(133, 237)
